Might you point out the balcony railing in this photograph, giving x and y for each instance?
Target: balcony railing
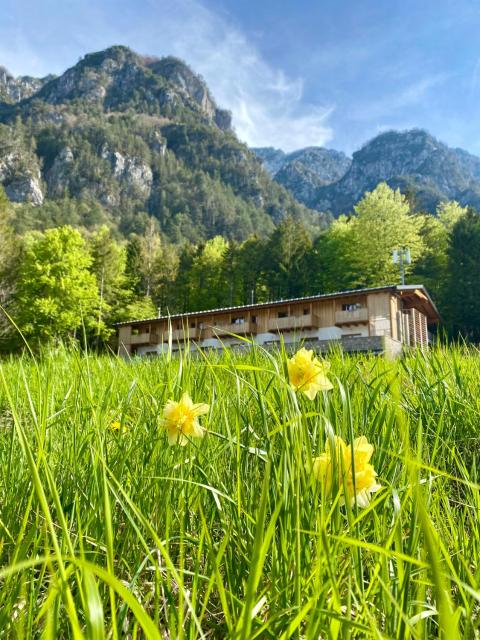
(351, 317)
(144, 338)
(292, 322)
(188, 333)
(239, 329)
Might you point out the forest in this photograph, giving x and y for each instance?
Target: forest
(73, 279)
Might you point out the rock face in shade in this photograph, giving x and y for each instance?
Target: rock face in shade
(302, 172)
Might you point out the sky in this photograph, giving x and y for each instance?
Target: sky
(294, 73)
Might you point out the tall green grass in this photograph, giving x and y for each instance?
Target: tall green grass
(115, 534)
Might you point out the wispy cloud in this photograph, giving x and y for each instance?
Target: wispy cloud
(267, 105)
(410, 95)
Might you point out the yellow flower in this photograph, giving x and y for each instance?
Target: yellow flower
(334, 468)
(308, 374)
(116, 425)
(180, 420)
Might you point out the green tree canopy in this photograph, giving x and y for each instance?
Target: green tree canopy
(56, 291)
(382, 224)
(463, 290)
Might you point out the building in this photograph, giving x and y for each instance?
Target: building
(381, 320)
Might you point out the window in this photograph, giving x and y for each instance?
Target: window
(238, 320)
(254, 319)
(201, 325)
(306, 311)
(192, 325)
(282, 314)
(351, 306)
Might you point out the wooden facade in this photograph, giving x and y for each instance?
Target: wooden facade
(401, 314)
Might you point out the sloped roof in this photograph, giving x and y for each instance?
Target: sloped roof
(405, 289)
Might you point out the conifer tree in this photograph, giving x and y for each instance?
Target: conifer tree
(462, 305)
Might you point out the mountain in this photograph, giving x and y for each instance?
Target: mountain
(416, 162)
(16, 89)
(302, 172)
(133, 137)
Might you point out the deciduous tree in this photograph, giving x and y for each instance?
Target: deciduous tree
(56, 291)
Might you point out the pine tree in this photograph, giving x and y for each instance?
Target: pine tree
(462, 306)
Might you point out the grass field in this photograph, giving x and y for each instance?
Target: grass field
(111, 532)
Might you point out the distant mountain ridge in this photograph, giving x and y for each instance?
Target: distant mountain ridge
(416, 162)
(304, 171)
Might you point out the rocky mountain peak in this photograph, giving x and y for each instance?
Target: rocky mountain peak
(118, 79)
(179, 73)
(16, 89)
(136, 136)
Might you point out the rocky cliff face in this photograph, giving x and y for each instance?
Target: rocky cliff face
(19, 169)
(16, 89)
(192, 86)
(302, 172)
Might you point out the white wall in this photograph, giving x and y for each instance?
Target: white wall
(289, 337)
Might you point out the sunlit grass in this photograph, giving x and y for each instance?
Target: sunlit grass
(107, 531)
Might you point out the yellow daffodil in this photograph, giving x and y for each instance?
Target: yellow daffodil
(307, 374)
(356, 478)
(116, 425)
(180, 420)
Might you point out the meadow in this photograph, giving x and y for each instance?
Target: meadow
(107, 531)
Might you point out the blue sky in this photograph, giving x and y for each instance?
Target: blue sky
(294, 73)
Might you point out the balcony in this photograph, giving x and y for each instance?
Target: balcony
(187, 333)
(292, 322)
(356, 316)
(238, 328)
(144, 338)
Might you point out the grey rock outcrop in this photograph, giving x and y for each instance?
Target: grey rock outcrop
(15, 89)
(21, 182)
(133, 174)
(25, 189)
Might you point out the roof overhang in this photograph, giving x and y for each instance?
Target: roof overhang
(410, 293)
(417, 296)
